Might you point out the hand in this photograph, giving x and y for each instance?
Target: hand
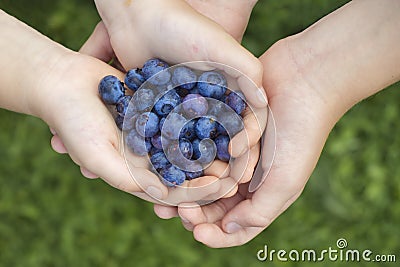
(308, 93)
(99, 46)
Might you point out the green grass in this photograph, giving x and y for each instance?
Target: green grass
(51, 216)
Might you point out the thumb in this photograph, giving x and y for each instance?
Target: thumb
(98, 44)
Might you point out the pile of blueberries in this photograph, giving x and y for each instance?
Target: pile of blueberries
(183, 119)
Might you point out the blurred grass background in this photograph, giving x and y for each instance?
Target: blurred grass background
(51, 216)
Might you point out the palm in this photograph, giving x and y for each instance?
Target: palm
(301, 128)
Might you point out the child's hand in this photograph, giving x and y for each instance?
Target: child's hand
(134, 48)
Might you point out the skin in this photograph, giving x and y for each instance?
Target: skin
(109, 40)
(312, 79)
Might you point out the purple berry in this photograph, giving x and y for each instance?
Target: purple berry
(167, 103)
(143, 99)
(156, 141)
(236, 101)
(172, 176)
(230, 123)
(137, 144)
(159, 161)
(172, 126)
(188, 131)
(206, 127)
(122, 105)
(147, 124)
(194, 105)
(156, 71)
(184, 77)
(222, 143)
(212, 84)
(186, 148)
(134, 79)
(111, 89)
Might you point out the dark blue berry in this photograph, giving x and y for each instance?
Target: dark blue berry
(193, 175)
(172, 176)
(134, 79)
(147, 124)
(222, 143)
(156, 141)
(143, 99)
(184, 77)
(159, 161)
(167, 103)
(111, 89)
(212, 84)
(231, 122)
(216, 107)
(173, 125)
(137, 144)
(186, 148)
(129, 122)
(188, 131)
(204, 151)
(206, 127)
(122, 105)
(156, 71)
(119, 121)
(236, 101)
(194, 105)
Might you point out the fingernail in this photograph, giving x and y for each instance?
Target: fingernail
(232, 227)
(154, 192)
(261, 96)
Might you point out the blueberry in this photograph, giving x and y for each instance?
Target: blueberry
(159, 161)
(216, 107)
(137, 144)
(186, 148)
(193, 175)
(167, 103)
(204, 151)
(172, 176)
(231, 123)
(129, 122)
(184, 77)
(156, 141)
(212, 84)
(111, 89)
(147, 124)
(172, 126)
(236, 101)
(222, 143)
(194, 105)
(206, 127)
(143, 99)
(134, 79)
(122, 105)
(119, 121)
(161, 123)
(188, 130)
(156, 71)
(154, 150)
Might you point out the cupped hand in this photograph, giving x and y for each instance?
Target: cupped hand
(303, 122)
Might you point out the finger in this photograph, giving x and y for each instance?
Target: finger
(211, 213)
(265, 205)
(112, 168)
(98, 44)
(53, 132)
(88, 174)
(58, 145)
(213, 236)
(193, 191)
(243, 167)
(218, 169)
(254, 125)
(165, 212)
